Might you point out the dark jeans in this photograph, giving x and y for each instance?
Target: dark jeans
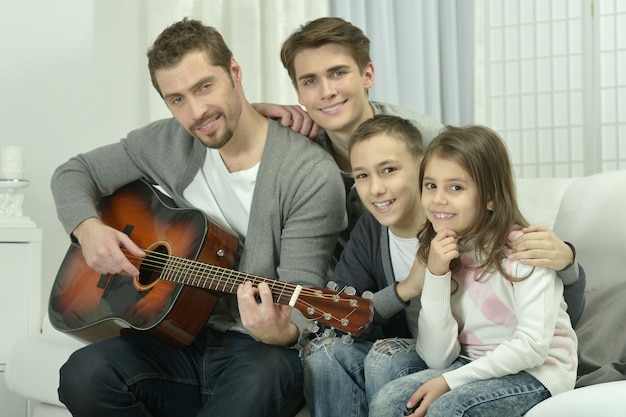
(219, 374)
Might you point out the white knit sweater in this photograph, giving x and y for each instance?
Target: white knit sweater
(502, 326)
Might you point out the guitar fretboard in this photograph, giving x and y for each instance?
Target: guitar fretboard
(212, 277)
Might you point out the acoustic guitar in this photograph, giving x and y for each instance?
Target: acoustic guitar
(188, 265)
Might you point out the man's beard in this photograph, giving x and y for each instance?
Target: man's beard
(214, 141)
(222, 140)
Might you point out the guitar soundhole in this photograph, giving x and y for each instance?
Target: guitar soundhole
(152, 265)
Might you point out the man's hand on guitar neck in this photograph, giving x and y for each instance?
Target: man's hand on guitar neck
(102, 248)
(265, 320)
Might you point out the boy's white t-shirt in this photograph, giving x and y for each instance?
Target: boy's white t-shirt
(225, 197)
(403, 251)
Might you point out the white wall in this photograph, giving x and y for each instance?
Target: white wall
(71, 79)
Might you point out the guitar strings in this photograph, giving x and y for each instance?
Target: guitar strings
(195, 270)
(198, 274)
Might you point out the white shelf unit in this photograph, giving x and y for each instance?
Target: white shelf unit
(20, 301)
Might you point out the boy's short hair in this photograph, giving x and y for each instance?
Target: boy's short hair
(323, 31)
(394, 126)
(183, 37)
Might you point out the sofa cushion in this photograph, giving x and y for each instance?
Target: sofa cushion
(606, 400)
(540, 198)
(591, 218)
(35, 360)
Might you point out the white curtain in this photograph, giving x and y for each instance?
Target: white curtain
(422, 49)
(253, 29)
(422, 52)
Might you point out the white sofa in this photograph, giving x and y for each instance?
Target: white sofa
(585, 211)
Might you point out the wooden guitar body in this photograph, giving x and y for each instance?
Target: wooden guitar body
(94, 306)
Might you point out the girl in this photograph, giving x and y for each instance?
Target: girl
(494, 333)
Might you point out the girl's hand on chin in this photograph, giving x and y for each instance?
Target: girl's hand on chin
(443, 249)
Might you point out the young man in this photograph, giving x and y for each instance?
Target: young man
(279, 193)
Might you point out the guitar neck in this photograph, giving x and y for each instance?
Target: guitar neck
(216, 278)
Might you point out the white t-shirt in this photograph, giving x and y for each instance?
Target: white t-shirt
(403, 251)
(224, 196)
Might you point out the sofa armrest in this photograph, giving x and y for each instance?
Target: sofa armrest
(32, 369)
(607, 400)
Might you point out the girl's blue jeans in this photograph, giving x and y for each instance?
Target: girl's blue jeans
(511, 395)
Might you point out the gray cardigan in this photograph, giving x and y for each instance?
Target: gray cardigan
(297, 209)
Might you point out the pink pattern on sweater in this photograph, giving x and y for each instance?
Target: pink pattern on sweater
(486, 301)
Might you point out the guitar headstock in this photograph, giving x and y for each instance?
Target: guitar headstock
(345, 312)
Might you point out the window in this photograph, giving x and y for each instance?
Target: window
(553, 82)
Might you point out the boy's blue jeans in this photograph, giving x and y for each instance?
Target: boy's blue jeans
(339, 381)
(511, 395)
(219, 374)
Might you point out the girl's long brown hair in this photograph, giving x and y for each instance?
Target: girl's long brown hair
(481, 152)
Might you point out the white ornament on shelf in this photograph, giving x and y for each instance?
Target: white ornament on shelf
(12, 183)
(11, 163)
(11, 199)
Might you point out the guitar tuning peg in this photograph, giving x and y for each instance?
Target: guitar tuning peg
(332, 285)
(330, 332)
(367, 294)
(313, 327)
(349, 290)
(346, 339)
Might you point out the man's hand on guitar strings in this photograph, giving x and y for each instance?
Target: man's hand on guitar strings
(102, 248)
(267, 321)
